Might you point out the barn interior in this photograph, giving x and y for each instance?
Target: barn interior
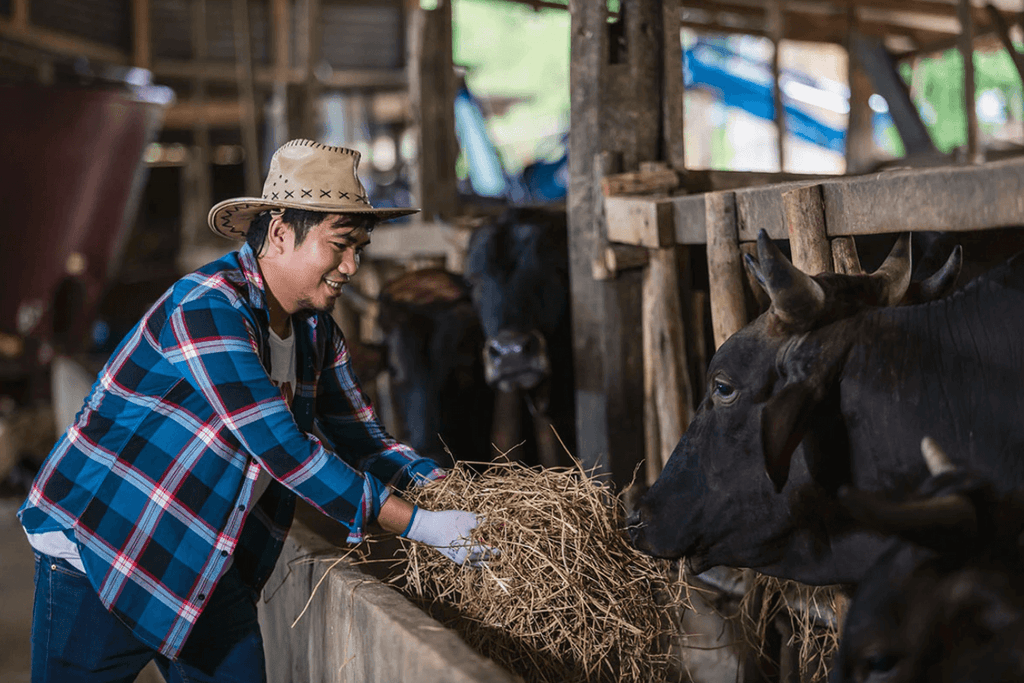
(665, 133)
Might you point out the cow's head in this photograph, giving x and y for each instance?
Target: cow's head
(946, 601)
(432, 338)
(517, 267)
(770, 387)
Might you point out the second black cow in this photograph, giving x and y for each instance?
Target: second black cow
(517, 268)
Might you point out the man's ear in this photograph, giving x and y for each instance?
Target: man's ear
(278, 235)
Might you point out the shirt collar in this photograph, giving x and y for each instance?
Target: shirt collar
(254, 278)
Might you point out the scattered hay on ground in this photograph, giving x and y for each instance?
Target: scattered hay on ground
(809, 615)
(568, 599)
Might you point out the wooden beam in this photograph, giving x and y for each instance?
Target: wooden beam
(142, 44)
(219, 113)
(19, 14)
(1003, 31)
(219, 71)
(60, 43)
(419, 239)
(639, 220)
(247, 97)
(944, 198)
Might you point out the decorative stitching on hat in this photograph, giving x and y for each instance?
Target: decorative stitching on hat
(317, 145)
(325, 193)
(289, 194)
(307, 193)
(343, 195)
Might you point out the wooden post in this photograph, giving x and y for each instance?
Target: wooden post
(672, 84)
(432, 95)
(247, 96)
(668, 399)
(725, 271)
(844, 256)
(860, 137)
(302, 115)
(775, 29)
(197, 185)
(617, 108)
(142, 52)
(804, 209)
(1003, 31)
(19, 14)
(966, 45)
(281, 35)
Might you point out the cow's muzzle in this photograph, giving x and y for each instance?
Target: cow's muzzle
(516, 360)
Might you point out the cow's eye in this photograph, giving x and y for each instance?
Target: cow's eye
(722, 390)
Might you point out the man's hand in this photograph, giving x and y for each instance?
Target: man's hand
(449, 532)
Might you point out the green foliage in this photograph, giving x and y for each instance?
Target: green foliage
(937, 85)
(512, 50)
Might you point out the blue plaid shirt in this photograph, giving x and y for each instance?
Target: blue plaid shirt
(155, 478)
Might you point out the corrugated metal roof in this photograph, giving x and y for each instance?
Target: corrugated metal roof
(361, 36)
(171, 31)
(171, 22)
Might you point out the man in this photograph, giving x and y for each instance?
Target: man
(160, 513)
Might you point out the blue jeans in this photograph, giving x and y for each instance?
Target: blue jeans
(76, 640)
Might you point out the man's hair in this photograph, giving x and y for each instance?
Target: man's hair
(300, 221)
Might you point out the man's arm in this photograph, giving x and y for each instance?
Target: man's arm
(214, 348)
(346, 417)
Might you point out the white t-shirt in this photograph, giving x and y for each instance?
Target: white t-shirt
(282, 374)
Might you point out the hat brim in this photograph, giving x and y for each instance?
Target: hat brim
(231, 218)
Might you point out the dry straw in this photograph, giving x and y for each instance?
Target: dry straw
(807, 616)
(568, 599)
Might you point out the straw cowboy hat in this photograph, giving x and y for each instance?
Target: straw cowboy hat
(303, 175)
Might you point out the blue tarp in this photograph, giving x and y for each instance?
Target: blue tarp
(707, 67)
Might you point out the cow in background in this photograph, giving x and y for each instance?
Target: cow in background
(946, 600)
(432, 347)
(836, 384)
(517, 268)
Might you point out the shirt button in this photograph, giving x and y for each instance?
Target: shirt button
(241, 508)
(202, 596)
(223, 553)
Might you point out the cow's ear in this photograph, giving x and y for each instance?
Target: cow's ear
(784, 421)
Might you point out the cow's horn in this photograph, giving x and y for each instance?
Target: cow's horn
(796, 296)
(895, 271)
(941, 282)
(936, 459)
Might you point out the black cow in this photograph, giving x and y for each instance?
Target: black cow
(517, 267)
(946, 601)
(839, 376)
(433, 342)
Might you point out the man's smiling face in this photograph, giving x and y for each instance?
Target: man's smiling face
(314, 271)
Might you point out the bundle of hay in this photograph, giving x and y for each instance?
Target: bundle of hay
(568, 599)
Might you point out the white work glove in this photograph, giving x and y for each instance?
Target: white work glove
(449, 532)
